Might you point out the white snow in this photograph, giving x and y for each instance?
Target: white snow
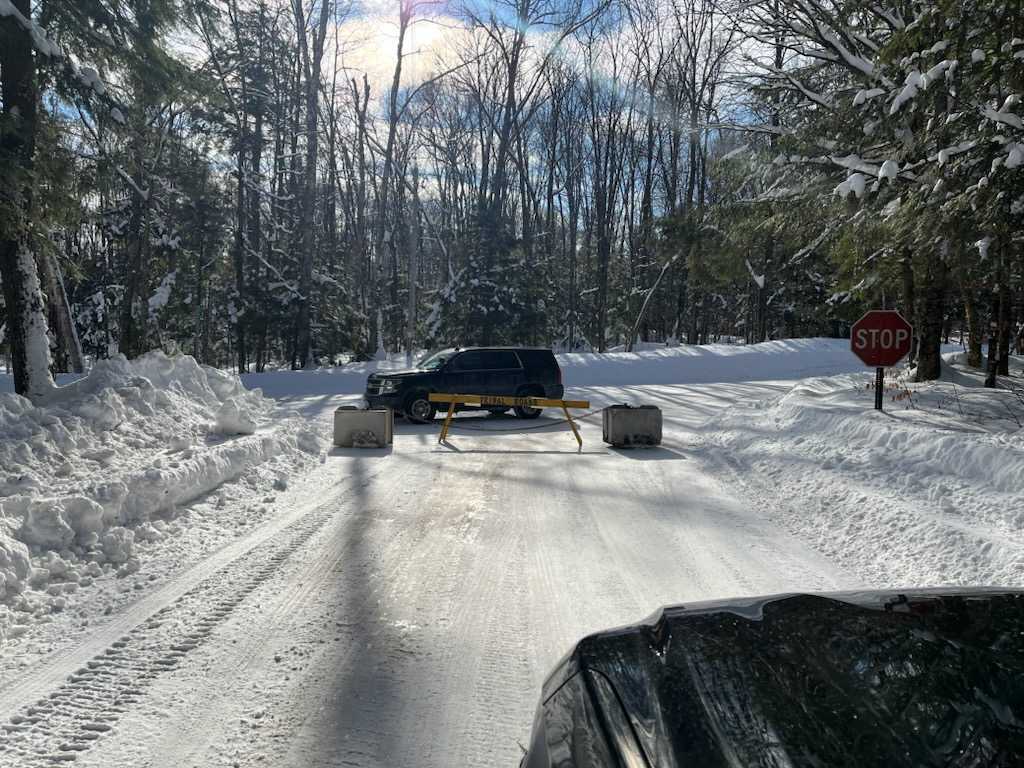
(127, 178)
(758, 279)
(235, 418)
(943, 155)
(854, 183)
(914, 82)
(889, 170)
(852, 60)
(162, 294)
(855, 163)
(732, 154)
(15, 567)
(891, 209)
(1006, 118)
(40, 41)
(121, 450)
(926, 493)
(983, 246)
(91, 79)
(866, 95)
(937, 72)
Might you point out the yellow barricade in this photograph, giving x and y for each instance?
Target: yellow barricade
(508, 402)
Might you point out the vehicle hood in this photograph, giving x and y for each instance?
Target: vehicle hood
(868, 679)
(397, 374)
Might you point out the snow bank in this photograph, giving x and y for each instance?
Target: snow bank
(106, 460)
(653, 364)
(710, 363)
(929, 492)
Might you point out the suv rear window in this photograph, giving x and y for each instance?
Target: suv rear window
(538, 359)
(495, 359)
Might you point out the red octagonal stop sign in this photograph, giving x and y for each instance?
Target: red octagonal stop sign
(881, 338)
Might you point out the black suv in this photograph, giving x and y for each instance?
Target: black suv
(513, 371)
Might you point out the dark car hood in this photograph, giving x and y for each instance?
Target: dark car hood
(398, 374)
(869, 679)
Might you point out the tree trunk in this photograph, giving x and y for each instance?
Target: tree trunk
(414, 246)
(933, 309)
(910, 309)
(973, 328)
(199, 334)
(992, 362)
(68, 350)
(129, 339)
(241, 225)
(255, 294)
(573, 202)
(311, 65)
(380, 224)
(26, 316)
(1005, 330)
(969, 296)
(643, 308)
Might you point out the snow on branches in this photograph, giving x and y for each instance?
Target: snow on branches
(86, 77)
(913, 82)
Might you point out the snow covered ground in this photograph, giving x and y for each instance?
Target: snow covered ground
(931, 491)
(401, 607)
(101, 478)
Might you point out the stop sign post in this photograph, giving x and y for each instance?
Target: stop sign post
(881, 338)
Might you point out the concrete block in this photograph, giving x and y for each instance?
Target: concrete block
(364, 428)
(627, 425)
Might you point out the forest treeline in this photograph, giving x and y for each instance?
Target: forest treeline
(226, 178)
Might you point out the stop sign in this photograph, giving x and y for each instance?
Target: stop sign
(881, 338)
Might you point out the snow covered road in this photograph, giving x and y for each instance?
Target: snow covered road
(401, 607)
(404, 606)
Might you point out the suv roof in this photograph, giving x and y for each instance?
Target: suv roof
(530, 349)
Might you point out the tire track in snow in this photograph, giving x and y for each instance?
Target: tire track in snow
(289, 602)
(70, 719)
(503, 662)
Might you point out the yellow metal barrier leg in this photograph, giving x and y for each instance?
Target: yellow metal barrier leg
(447, 423)
(568, 417)
(492, 400)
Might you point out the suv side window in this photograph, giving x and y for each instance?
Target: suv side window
(498, 359)
(468, 361)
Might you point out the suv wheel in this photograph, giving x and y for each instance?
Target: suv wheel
(419, 409)
(525, 412)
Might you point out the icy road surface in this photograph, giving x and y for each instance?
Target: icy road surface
(404, 606)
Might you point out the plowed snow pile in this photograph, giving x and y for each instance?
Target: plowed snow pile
(110, 459)
(929, 492)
